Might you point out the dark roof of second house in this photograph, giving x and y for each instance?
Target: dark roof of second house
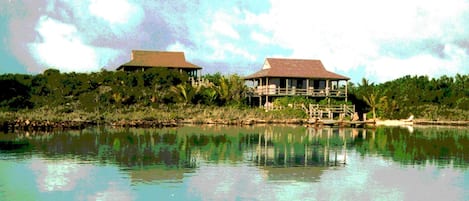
(143, 58)
(295, 68)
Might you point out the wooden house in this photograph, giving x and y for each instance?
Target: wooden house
(296, 77)
(141, 60)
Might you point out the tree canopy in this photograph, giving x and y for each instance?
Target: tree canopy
(111, 89)
(430, 98)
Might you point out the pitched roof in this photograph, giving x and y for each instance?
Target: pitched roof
(295, 68)
(142, 58)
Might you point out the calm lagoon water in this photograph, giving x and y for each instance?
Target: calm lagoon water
(237, 163)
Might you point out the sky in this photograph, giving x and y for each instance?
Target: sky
(376, 40)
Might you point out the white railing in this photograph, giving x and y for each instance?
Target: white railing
(273, 90)
(317, 110)
(199, 81)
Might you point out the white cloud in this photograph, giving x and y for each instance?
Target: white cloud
(62, 47)
(384, 69)
(177, 47)
(122, 17)
(113, 11)
(352, 37)
(222, 25)
(347, 35)
(388, 68)
(260, 38)
(216, 39)
(227, 51)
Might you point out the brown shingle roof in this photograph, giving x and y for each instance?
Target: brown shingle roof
(141, 58)
(296, 68)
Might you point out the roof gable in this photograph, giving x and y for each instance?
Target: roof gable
(295, 68)
(142, 58)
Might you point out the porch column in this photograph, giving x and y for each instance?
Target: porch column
(346, 85)
(328, 93)
(199, 74)
(286, 86)
(259, 87)
(307, 86)
(267, 90)
(327, 87)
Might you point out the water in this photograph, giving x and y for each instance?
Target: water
(236, 163)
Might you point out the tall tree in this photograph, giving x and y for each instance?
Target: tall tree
(369, 94)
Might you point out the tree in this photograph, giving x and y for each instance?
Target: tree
(15, 95)
(231, 89)
(372, 100)
(185, 93)
(368, 93)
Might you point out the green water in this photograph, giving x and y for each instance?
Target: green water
(236, 163)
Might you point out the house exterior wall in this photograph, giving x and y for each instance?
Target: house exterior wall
(266, 65)
(274, 81)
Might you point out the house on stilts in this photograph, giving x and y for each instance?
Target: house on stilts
(143, 59)
(300, 77)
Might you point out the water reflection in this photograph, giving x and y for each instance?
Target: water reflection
(227, 162)
(58, 175)
(443, 146)
(157, 174)
(184, 148)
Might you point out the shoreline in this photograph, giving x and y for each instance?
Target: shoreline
(27, 125)
(9, 126)
(441, 123)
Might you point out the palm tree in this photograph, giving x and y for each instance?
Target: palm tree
(223, 90)
(185, 93)
(388, 106)
(372, 100)
(231, 89)
(369, 95)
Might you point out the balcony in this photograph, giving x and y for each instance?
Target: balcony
(272, 90)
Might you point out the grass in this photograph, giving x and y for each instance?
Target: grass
(195, 114)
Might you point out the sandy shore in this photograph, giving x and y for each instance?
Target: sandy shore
(420, 122)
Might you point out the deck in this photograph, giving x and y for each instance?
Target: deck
(317, 111)
(277, 91)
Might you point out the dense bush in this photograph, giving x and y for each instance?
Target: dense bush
(115, 89)
(436, 98)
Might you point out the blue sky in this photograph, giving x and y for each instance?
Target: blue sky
(377, 40)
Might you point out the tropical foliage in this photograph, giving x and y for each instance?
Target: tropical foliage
(116, 89)
(444, 98)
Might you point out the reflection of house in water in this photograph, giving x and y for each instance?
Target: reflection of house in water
(157, 174)
(166, 155)
(314, 147)
(302, 156)
(306, 174)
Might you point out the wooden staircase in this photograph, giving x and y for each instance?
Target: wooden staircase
(316, 111)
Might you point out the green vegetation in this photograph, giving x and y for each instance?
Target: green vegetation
(424, 145)
(288, 146)
(444, 98)
(155, 94)
(164, 94)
